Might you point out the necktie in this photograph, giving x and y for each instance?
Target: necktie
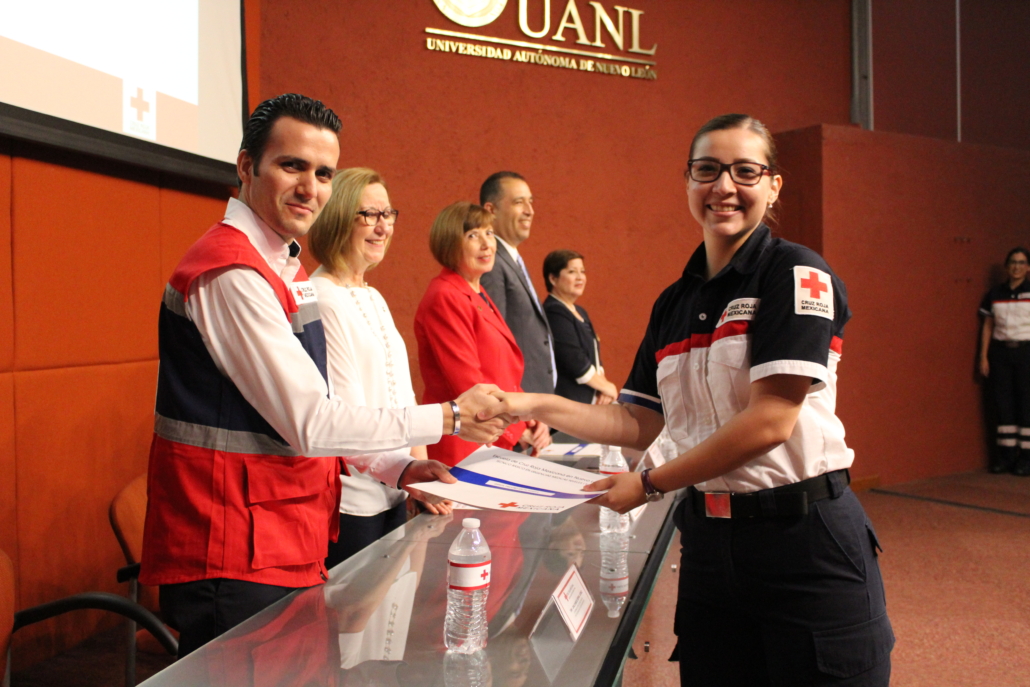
(540, 311)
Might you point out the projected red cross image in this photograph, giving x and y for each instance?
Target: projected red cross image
(814, 286)
(139, 104)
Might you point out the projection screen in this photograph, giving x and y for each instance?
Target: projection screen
(159, 83)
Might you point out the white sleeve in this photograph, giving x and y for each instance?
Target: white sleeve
(251, 342)
(340, 347)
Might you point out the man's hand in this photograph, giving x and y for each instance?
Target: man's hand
(425, 471)
(625, 492)
(475, 403)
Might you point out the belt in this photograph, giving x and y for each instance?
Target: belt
(1014, 344)
(790, 500)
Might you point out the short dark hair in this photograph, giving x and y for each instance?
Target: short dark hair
(490, 191)
(555, 262)
(300, 107)
(453, 222)
(1017, 249)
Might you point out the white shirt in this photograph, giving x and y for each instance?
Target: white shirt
(242, 324)
(368, 366)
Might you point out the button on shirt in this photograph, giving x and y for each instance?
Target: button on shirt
(1010, 309)
(775, 309)
(242, 324)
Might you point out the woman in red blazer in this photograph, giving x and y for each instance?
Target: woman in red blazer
(462, 339)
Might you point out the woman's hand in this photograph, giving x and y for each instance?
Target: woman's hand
(610, 390)
(625, 492)
(985, 367)
(537, 436)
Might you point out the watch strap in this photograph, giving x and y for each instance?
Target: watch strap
(457, 418)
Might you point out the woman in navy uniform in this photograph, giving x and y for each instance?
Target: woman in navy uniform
(1005, 362)
(779, 581)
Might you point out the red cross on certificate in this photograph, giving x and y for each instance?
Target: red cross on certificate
(137, 103)
(814, 286)
(508, 505)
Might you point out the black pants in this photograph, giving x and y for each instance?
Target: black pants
(792, 602)
(205, 609)
(1010, 388)
(358, 531)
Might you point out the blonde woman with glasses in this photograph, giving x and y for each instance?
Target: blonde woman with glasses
(367, 358)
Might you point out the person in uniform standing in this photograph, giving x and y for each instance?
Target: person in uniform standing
(1005, 362)
(779, 580)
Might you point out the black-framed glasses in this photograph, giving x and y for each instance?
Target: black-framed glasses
(372, 216)
(743, 173)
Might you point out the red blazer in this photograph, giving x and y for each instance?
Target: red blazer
(463, 341)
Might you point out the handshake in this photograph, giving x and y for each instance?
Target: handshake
(486, 412)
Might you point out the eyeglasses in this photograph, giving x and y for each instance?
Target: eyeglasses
(1018, 262)
(372, 216)
(743, 173)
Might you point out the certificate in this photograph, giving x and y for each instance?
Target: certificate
(504, 480)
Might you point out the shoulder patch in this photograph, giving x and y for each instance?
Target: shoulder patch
(739, 309)
(813, 292)
(304, 292)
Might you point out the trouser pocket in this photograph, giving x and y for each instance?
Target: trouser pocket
(848, 651)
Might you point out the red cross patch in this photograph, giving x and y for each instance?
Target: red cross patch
(813, 292)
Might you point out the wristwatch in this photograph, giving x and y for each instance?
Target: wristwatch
(650, 491)
(457, 418)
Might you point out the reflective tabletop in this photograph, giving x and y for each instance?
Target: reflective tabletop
(379, 618)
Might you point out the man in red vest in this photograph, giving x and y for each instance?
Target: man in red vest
(243, 483)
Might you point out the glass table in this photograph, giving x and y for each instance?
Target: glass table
(378, 620)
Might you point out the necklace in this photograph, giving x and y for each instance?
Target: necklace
(380, 333)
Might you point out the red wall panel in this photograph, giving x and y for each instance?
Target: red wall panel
(917, 252)
(86, 265)
(8, 490)
(603, 155)
(185, 216)
(914, 68)
(82, 434)
(6, 282)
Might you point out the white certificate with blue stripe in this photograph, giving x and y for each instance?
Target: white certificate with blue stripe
(496, 479)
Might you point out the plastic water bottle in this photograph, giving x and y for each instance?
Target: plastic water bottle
(466, 670)
(614, 571)
(468, 583)
(612, 463)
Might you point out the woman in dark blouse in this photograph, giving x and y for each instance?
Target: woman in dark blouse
(576, 352)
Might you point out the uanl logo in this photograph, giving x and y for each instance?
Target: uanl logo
(618, 27)
(471, 13)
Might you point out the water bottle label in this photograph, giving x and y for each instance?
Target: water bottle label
(618, 586)
(468, 576)
(612, 472)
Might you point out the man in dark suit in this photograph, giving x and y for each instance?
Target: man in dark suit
(507, 196)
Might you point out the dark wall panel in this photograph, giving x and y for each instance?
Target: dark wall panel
(914, 68)
(996, 73)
